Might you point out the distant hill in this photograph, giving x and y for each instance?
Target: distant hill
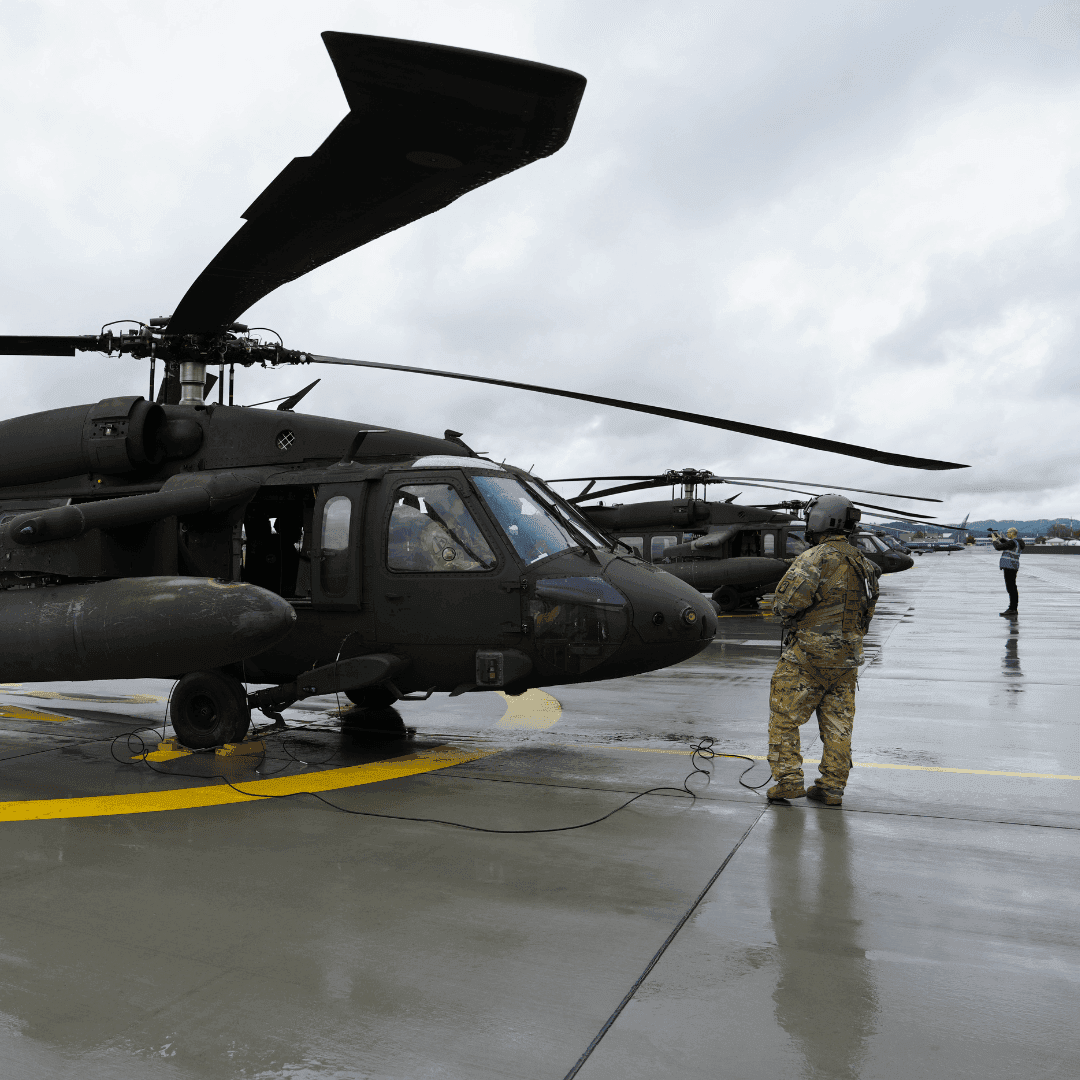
(1039, 527)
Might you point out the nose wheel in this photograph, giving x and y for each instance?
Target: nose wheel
(727, 597)
(209, 708)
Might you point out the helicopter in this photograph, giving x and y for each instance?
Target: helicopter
(173, 536)
(735, 552)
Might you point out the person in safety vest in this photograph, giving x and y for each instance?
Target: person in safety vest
(1010, 545)
(826, 601)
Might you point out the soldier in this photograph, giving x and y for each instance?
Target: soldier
(826, 600)
(1010, 545)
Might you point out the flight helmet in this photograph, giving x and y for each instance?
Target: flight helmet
(831, 514)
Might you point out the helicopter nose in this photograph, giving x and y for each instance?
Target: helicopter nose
(672, 621)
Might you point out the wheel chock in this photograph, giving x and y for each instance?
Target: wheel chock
(235, 749)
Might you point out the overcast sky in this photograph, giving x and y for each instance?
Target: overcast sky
(851, 219)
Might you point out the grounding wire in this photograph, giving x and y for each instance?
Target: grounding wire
(702, 750)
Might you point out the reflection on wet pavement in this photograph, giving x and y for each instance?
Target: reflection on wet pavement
(822, 965)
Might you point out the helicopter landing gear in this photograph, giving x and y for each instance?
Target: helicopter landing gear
(727, 596)
(372, 697)
(209, 708)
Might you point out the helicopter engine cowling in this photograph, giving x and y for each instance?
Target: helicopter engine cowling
(113, 437)
(200, 493)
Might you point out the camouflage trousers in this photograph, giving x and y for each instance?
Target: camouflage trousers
(795, 693)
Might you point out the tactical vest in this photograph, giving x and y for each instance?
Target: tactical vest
(845, 609)
(1010, 560)
(857, 600)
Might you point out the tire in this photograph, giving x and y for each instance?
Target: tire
(727, 596)
(372, 697)
(209, 708)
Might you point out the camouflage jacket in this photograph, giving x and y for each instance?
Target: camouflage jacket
(827, 599)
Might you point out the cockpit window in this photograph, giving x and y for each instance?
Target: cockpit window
(660, 544)
(431, 530)
(793, 545)
(534, 531)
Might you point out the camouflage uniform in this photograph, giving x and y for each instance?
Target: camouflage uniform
(826, 599)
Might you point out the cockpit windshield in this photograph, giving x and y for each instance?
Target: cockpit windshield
(568, 514)
(534, 531)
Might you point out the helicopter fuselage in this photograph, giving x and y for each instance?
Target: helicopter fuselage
(338, 542)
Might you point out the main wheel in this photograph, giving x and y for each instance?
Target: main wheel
(372, 697)
(208, 709)
(727, 596)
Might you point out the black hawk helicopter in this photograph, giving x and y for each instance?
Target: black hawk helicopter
(172, 536)
(735, 552)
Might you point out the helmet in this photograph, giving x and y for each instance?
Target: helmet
(1011, 534)
(831, 513)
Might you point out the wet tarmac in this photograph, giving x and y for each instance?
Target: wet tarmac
(201, 916)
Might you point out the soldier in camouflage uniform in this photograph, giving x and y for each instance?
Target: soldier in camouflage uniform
(826, 600)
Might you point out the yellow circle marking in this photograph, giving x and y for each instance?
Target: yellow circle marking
(533, 709)
(146, 802)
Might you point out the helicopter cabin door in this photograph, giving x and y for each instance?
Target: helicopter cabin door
(445, 577)
(337, 550)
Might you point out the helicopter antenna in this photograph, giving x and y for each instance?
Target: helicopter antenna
(290, 403)
(358, 441)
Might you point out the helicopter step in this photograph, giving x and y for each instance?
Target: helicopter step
(342, 676)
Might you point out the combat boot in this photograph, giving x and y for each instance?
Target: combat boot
(785, 790)
(1009, 613)
(828, 796)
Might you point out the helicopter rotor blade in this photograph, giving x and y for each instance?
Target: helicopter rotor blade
(912, 520)
(813, 494)
(774, 434)
(427, 124)
(824, 487)
(617, 490)
(579, 479)
(45, 345)
(749, 480)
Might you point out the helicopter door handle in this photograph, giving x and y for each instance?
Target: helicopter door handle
(518, 586)
(394, 596)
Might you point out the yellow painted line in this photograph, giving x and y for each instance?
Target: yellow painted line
(865, 764)
(534, 709)
(16, 712)
(220, 794)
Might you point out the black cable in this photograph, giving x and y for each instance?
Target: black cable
(663, 948)
(252, 329)
(702, 749)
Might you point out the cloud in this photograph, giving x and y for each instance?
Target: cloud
(854, 220)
